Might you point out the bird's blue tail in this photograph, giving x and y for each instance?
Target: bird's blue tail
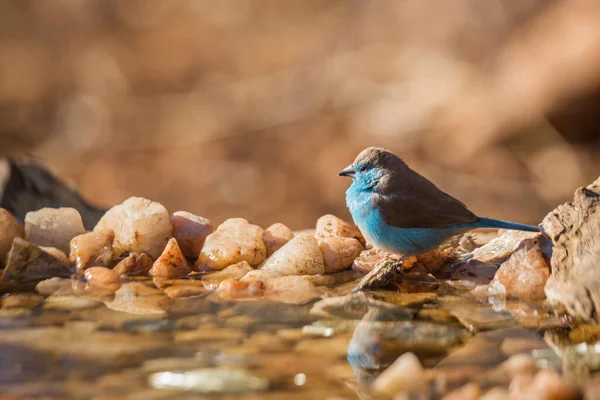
(495, 223)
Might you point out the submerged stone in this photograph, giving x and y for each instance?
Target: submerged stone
(210, 380)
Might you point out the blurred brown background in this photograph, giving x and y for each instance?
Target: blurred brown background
(251, 107)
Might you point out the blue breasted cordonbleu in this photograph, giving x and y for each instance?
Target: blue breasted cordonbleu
(400, 211)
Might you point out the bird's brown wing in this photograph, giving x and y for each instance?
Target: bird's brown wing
(415, 202)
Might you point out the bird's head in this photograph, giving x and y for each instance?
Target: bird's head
(371, 165)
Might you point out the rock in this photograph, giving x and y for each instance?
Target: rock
(499, 249)
(57, 253)
(21, 300)
(70, 303)
(190, 231)
(53, 227)
(335, 278)
(171, 263)
(546, 385)
(27, 265)
(135, 264)
(231, 289)
(497, 393)
(140, 225)
(368, 259)
(10, 228)
(404, 375)
(573, 229)
(299, 256)
(470, 391)
(275, 236)
(339, 252)
(103, 279)
(210, 380)
(524, 274)
(180, 288)
(234, 240)
(291, 290)
(476, 316)
(330, 225)
(236, 271)
(137, 298)
(50, 286)
(475, 271)
(92, 249)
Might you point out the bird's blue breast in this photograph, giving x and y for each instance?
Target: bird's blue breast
(391, 238)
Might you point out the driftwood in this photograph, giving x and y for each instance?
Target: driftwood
(574, 229)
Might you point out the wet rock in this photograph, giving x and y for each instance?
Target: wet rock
(18, 300)
(135, 264)
(10, 228)
(140, 225)
(404, 375)
(524, 274)
(335, 278)
(299, 256)
(356, 305)
(207, 333)
(235, 240)
(476, 316)
(546, 385)
(573, 229)
(339, 252)
(231, 289)
(103, 279)
(137, 298)
(190, 231)
(418, 282)
(291, 290)
(368, 259)
(210, 380)
(475, 271)
(236, 271)
(27, 265)
(171, 263)
(180, 288)
(470, 391)
(330, 225)
(275, 236)
(50, 286)
(92, 249)
(53, 227)
(500, 248)
(70, 303)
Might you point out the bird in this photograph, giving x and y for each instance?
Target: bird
(400, 211)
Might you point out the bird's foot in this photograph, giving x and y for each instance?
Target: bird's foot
(384, 275)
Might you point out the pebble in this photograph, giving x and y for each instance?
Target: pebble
(275, 236)
(137, 298)
(183, 288)
(10, 228)
(140, 225)
(330, 225)
(56, 253)
(210, 380)
(339, 252)
(291, 289)
(234, 240)
(92, 249)
(53, 227)
(524, 274)
(60, 302)
(404, 375)
(190, 231)
(299, 256)
(102, 278)
(171, 263)
(50, 286)
(21, 300)
(500, 248)
(135, 264)
(236, 271)
(231, 289)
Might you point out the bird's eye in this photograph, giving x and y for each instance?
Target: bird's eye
(363, 168)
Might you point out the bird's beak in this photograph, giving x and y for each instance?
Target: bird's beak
(348, 171)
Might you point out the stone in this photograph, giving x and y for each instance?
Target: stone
(546, 385)
(236, 271)
(573, 229)
(190, 231)
(171, 263)
(299, 256)
(476, 316)
(50, 286)
(497, 393)
(524, 274)
(180, 288)
(53, 227)
(275, 236)
(70, 303)
(27, 265)
(210, 380)
(368, 259)
(231, 289)
(102, 278)
(21, 300)
(234, 240)
(291, 289)
(339, 252)
(499, 249)
(137, 298)
(330, 225)
(405, 375)
(140, 225)
(92, 249)
(475, 271)
(10, 228)
(135, 264)
(470, 391)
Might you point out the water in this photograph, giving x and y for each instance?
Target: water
(73, 347)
